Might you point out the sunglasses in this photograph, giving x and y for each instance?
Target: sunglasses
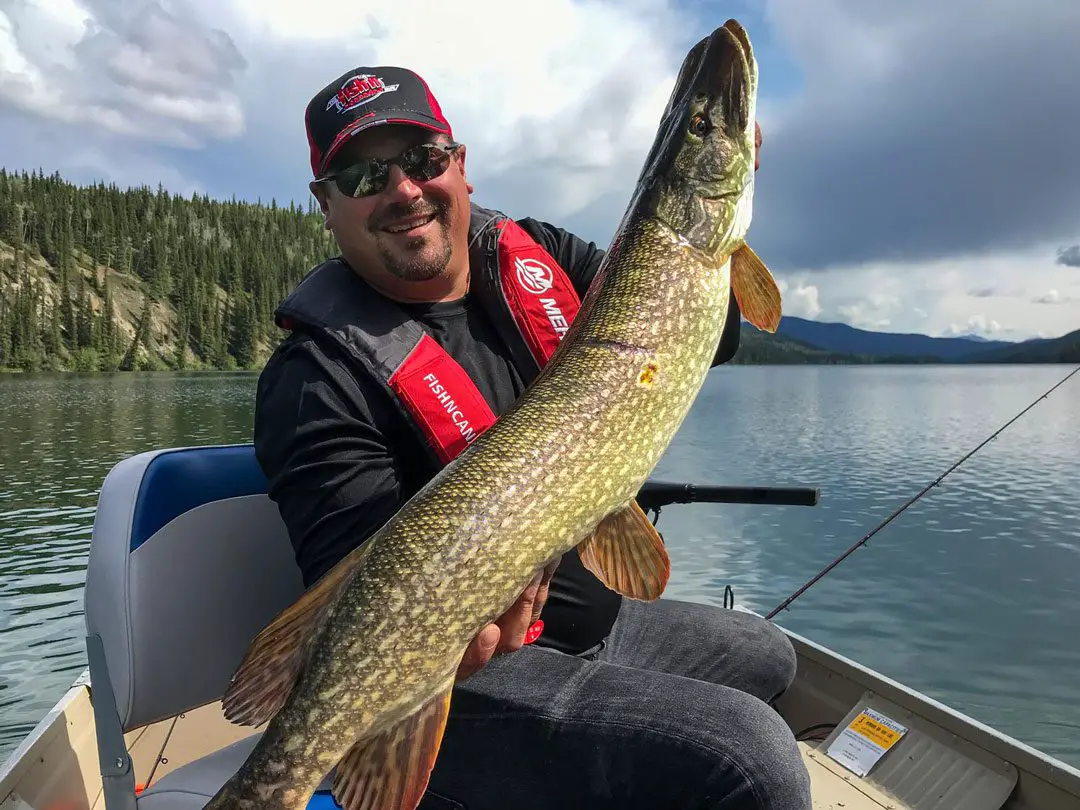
(369, 176)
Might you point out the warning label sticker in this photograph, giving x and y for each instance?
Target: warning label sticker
(866, 739)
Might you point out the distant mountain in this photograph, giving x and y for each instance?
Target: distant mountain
(1065, 349)
(761, 348)
(847, 340)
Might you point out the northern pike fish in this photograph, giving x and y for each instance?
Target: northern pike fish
(357, 675)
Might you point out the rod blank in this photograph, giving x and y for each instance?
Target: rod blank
(661, 493)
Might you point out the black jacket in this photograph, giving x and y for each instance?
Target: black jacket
(340, 461)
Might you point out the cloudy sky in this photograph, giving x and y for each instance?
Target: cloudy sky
(921, 166)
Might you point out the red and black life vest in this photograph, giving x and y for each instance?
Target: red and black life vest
(528, 296)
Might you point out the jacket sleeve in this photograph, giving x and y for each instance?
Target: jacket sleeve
(581, 260)
(330, 468)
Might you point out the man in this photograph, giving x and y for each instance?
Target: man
(616, 703)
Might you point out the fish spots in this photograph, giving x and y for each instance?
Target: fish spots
(265, 791)
(331, 693)
(293, 742)
(649, 374)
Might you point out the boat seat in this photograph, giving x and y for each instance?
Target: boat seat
(192, 786)
(189, 560)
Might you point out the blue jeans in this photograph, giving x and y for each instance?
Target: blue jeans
(670, 711)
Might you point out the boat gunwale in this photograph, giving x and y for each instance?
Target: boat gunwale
(1025, 758)
(38, 734)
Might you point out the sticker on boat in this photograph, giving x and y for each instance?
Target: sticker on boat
(867, 738)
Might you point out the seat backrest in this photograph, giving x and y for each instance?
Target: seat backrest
(189, 560)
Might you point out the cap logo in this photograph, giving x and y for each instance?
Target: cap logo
(533, 276)
(358, 90)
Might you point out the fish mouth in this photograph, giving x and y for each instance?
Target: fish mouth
(715, 93)
(698, 176)
(720, 68)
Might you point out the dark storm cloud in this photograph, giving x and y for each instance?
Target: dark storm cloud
(1070, 256)
(926, 130)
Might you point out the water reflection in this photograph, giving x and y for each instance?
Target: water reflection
(61, 435)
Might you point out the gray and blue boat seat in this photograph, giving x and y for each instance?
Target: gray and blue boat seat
(189, 560)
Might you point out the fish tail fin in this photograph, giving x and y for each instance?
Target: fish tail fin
(391, 770)
(627, 554)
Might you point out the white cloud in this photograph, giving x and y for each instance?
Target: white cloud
(139, 71)
(1053, 297)
(1004, 296)
(976, 325)
(801, 300)
(558, 103)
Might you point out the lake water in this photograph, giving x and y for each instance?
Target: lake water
(972, 595)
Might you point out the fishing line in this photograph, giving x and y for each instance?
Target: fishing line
(783, 605)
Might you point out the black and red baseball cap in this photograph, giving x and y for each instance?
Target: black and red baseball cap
(367, 97)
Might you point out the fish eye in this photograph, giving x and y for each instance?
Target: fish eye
(699, 125)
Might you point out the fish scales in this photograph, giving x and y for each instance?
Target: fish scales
(439, 577)
(358, 674)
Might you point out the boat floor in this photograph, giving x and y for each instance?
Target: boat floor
(55, 774)
(834, 788)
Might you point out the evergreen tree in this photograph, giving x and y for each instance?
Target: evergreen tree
(77, 263)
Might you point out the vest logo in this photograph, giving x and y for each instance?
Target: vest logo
(358, 90)
(555, 316)
(534, 276)
(446, 402)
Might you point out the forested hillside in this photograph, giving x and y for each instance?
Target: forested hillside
(1064, 349)
(761, 348)
(99, 278)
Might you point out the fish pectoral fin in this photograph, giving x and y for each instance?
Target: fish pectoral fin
(755, 289)
(627, 554)
(391, 770)
(273, 660)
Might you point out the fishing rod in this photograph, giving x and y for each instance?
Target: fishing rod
(655, 494)
(783, 605)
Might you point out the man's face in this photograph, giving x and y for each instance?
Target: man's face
(411, 228)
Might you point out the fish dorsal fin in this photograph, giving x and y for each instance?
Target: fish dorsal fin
(755, 290)
(391, 770)
(626, 553)
(273, 660)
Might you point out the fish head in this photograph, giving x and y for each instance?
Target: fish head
(698, 179)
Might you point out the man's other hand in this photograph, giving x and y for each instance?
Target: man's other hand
(507, 633)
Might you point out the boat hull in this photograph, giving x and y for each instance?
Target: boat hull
(56, 767)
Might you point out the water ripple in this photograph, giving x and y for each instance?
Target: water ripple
(968, 596)
(61, 436)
